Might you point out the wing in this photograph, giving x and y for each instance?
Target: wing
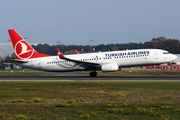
(81, 63)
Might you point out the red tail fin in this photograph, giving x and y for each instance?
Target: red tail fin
(22, 49)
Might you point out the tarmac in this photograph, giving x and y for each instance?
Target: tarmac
(87, 78)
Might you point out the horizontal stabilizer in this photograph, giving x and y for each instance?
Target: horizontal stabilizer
(18, 61)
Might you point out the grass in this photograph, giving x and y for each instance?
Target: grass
(75, 100)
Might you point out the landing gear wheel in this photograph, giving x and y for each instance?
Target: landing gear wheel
(93, 74)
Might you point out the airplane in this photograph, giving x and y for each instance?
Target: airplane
(110, 61)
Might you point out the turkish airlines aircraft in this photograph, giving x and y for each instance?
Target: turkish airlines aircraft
(105, 61)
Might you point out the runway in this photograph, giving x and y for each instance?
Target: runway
(87, 78)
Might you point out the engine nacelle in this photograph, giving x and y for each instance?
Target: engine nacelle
(108, 67)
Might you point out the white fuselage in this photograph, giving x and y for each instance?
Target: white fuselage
(126, 58)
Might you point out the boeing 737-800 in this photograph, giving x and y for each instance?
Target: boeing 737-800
(105, 61)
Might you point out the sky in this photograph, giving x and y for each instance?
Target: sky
(76, 22)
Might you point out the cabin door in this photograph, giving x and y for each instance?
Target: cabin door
(40, 64)
(156, 56)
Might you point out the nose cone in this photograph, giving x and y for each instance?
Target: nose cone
(173, 57)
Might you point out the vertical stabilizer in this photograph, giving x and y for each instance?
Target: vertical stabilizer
(22, 49)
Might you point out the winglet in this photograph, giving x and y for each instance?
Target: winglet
(76, 51)
(59, 53)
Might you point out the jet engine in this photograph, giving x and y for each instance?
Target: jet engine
(108, 67)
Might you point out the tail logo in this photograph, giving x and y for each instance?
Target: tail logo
(23, 50)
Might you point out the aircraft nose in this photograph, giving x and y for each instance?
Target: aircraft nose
(174, 57)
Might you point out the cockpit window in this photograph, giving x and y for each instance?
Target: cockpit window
(165, 52)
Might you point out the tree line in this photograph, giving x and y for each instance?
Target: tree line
(171, 45)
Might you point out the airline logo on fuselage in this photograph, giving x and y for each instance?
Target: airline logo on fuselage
(127, 53)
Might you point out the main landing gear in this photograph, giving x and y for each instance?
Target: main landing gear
(93, 74)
